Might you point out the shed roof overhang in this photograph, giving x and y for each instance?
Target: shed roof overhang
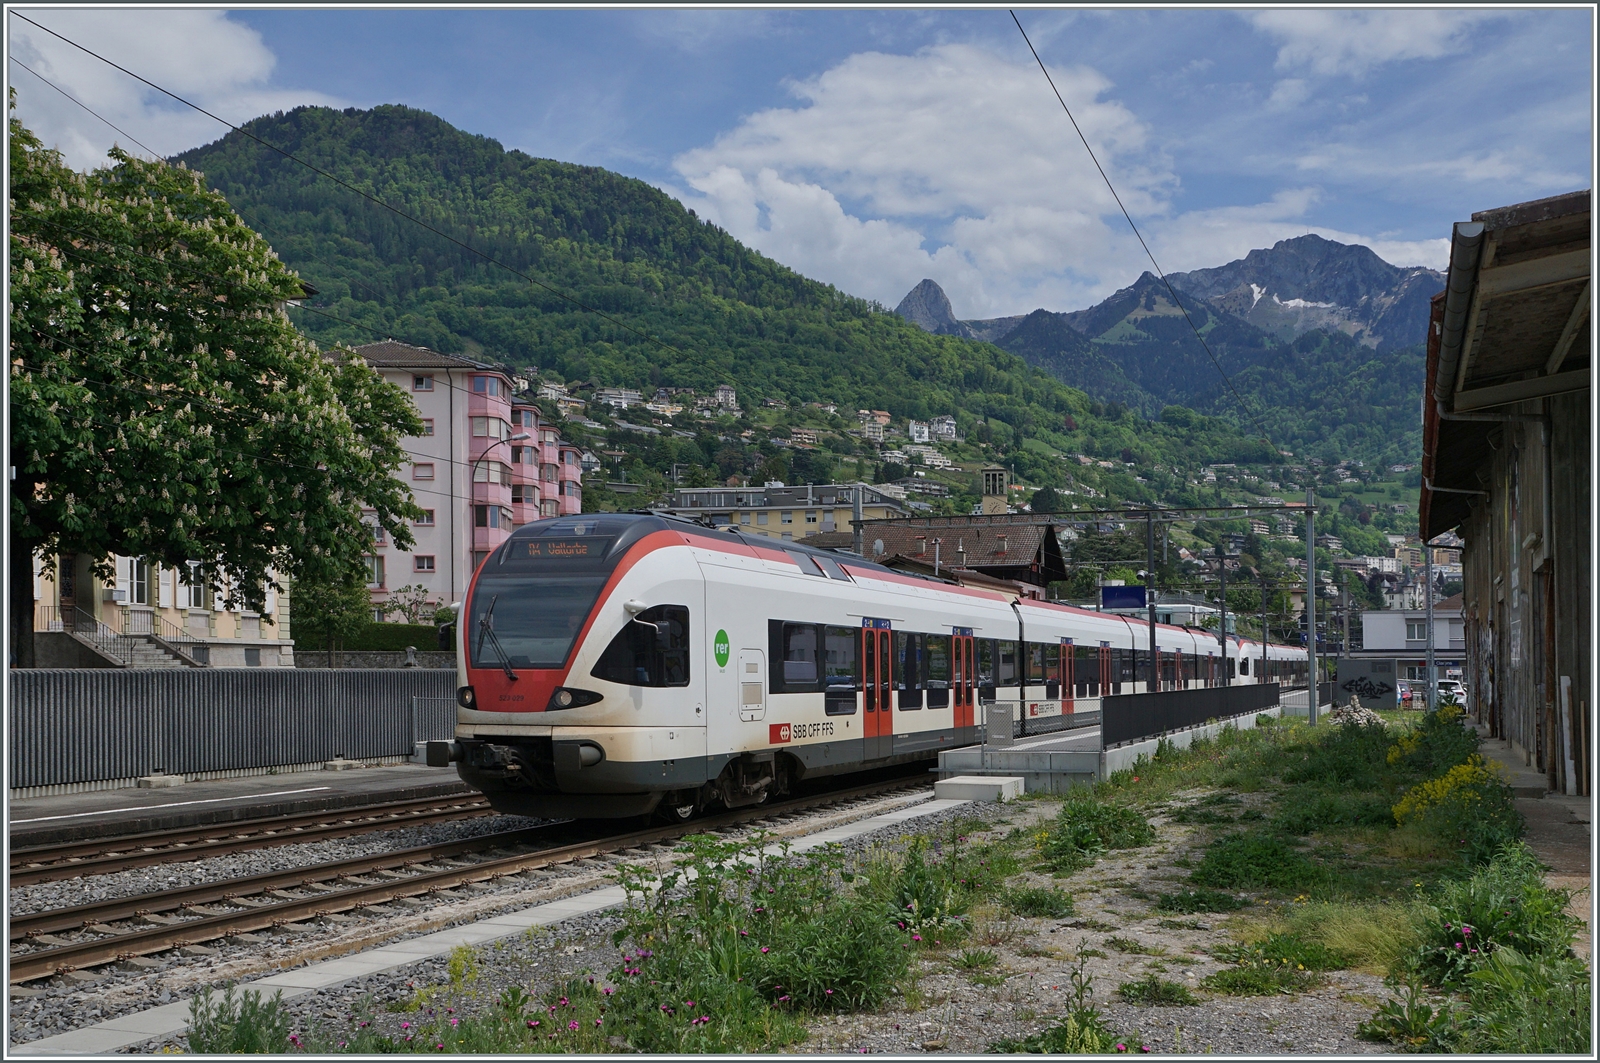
(1511, 325)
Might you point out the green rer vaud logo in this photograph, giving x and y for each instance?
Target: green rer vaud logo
(720, 648)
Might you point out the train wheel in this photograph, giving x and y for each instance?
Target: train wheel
(680, 806)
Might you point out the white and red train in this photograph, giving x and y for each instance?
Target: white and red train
(615, 665)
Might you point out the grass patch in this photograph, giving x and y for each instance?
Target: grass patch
(1192, 901)
(1306, 810)
(1154, 991)
(1374, 936)
(1037, 902)
(1085, 828)
(1285, 950)
(1136, 948)
(1255, 860)
(1258, 981)
(976, 960)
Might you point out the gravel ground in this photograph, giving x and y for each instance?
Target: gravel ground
(946, 1011)
(61, 1004)
(1029, 990)
(538, 961)
(25, 900)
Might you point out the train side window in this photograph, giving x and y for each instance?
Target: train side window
(986, 669)
(908, 669)
(1006, 663)
(796, 648)
(1244, 666)
(841, 669)
(651, 650)
(937, 679)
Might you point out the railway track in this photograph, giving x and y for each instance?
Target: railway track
(50, 863)
(261, 902)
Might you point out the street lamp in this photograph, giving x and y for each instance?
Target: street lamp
(491, 446)
(472, 478)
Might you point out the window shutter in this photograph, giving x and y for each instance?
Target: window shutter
(272, 599)
(164, 589)
(125, 578)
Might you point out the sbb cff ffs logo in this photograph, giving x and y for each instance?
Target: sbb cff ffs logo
(778, 733)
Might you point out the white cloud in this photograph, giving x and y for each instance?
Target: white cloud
(1353, 42)
(1288, 94)
(1203, 238)
(953, 163)
(958, 165)
(201, 55)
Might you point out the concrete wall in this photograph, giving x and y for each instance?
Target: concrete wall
(58, 649)
(1056, 771)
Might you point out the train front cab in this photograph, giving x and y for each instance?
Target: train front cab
(576, 699)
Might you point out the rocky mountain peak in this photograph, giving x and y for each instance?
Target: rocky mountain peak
(1310, 282)
(927, 307)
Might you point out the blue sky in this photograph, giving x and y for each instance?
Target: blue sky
(871, 148)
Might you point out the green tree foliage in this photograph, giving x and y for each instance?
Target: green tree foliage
(162, 404)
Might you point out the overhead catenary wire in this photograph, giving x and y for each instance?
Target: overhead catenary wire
(85, 106)
(1243, 406)
(553, 290)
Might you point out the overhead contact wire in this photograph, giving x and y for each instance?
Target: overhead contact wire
(1243, 406)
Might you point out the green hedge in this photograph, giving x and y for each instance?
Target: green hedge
(378, 637)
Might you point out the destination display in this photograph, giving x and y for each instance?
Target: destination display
(568, 548)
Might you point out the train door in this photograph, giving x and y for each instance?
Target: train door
(1068, 677)
(877, 643)
(752, 685)
(962, 681)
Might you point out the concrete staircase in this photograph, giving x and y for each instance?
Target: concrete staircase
(147, 653)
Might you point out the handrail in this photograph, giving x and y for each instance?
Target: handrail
(103, 637)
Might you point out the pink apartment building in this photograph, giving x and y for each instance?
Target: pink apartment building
(484, 464)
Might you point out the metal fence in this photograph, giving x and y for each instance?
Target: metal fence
(91, 725)
(1130, 717)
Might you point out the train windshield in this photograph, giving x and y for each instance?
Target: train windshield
(534, 594)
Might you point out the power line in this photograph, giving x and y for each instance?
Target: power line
(1243, 407)
(80, 103)
(363, 194)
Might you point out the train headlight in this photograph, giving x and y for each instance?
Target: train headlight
(466, 697)
(571, 698)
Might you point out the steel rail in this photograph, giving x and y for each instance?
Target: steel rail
(48, 863)
(59, 959)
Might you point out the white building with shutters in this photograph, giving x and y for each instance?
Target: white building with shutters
(151, 616)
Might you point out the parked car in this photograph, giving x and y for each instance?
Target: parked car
(1452, 690)
(1403, 692)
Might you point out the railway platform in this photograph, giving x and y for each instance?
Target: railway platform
(60, 818)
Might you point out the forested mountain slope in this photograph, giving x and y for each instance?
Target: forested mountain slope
(721, 312)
